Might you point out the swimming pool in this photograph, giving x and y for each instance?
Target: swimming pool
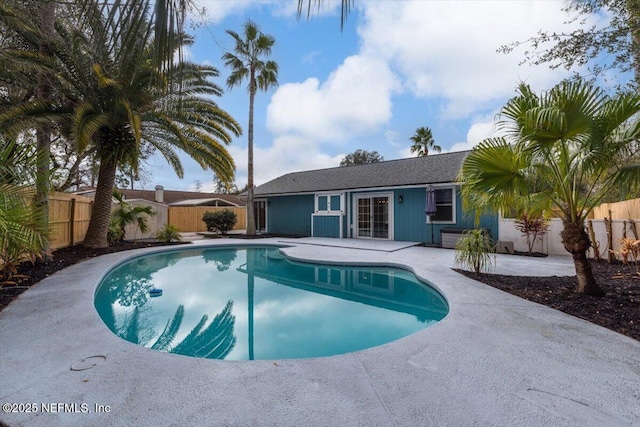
(246, 303)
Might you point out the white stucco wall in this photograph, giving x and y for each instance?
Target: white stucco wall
(551, 244)
(155, 222)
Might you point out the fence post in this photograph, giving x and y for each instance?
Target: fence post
(609, 228)
(72, 223)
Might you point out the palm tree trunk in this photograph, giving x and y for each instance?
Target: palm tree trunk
(251, 221)
(96, 236)
(576, 241)
(43, 133)
(250, 297)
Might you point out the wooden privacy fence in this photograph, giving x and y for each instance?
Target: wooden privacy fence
(69, 216)
(619, 210)
(189, 218)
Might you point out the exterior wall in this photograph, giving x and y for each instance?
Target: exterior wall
(326, 226)
(551, 243)
(154, 222)
(294, 215)
(411, 224)
(290, 214)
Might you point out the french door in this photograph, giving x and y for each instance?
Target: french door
(260, 215)
(373, 216)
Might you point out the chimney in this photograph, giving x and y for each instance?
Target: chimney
(159, 194)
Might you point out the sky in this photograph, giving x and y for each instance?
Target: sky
(395, 66)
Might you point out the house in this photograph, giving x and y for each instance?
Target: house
(383, 200)
(172, 207)
(184, 198)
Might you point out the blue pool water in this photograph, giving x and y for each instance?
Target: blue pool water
(252, 303)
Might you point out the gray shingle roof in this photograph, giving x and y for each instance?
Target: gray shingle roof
(432, 169)
(173, 196)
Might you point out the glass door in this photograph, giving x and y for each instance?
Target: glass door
(364, 217)
(260, 215)
(380, 217)
(373, 217)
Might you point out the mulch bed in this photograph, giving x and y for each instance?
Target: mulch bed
(62, 258)
(618, 310)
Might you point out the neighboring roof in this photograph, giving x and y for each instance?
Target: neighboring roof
(206, 202)
(171, 196)
(432, 169)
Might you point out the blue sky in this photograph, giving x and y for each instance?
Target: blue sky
(396, 66)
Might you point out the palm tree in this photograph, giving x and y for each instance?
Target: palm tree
(564, 149)
(247, 62)
(125, 214)
(346, 9)
(115, 100)
(22, 229)
(423, 141)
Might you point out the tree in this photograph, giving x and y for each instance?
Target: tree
(246, 63)
(361, 157)
(423, 141)
(616, 46)
(222, 187)
(563, 149)
(116, 101)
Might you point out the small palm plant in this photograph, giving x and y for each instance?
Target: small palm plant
(474, 250)
(169, 233)
(125, 214)
(23, 232)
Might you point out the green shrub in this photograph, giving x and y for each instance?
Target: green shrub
(222, 220)
(115, 233)
(169, 233)
(474, 250)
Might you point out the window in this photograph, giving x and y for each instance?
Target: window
(328, 203)
(323, 204)
(445, 211)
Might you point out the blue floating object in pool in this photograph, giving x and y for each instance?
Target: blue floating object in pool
(155, 292)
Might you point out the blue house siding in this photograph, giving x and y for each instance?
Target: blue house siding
(294, 215)
(411, 224)
(326, 226)
(290, 214)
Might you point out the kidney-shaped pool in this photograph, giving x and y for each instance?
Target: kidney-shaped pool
(246, 303)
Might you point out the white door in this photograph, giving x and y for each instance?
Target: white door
(373, 216)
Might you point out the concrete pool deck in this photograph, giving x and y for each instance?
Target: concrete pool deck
(495, 360)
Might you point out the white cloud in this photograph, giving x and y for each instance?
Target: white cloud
(288, 153)
(354, 100)
(480, 130)
(448, 49)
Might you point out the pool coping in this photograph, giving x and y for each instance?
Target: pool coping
(494, 360)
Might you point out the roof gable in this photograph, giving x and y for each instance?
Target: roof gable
(432, 169)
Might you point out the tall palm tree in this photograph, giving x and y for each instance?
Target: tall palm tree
(423, 141)
(112, 98)
(247, 62)
(564, 149)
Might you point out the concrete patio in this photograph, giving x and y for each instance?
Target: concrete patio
(495, 360)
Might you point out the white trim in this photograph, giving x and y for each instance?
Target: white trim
(355, 197)
(388, 188)
(328, 195)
